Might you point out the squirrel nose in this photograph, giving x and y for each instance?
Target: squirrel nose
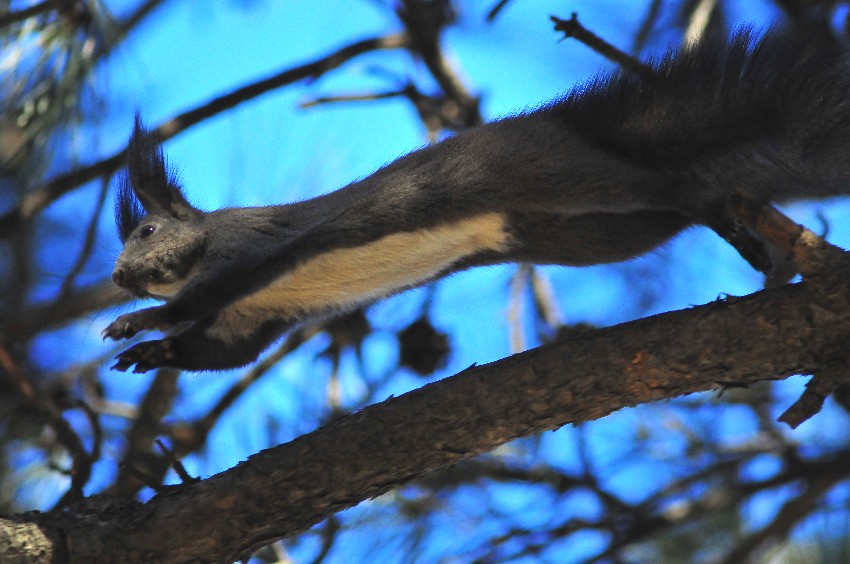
(118, 276)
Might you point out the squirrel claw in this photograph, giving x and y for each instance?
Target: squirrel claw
(146, 355)
(121, 365)
(129, 324)
(121, 328)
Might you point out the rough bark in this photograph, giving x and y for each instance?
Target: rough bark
(281, 491)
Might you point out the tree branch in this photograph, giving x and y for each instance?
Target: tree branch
(77, 303)
(284, 490)
(791, 513)
(36, 200)
(572, 28)
(81, 460)
(138, 457)
(10, 18)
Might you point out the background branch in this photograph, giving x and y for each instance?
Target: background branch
(364, 454)
(36, 200)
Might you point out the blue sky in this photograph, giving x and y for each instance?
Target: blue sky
(269, 150)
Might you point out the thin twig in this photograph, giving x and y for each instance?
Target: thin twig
(143, 478)
(178, 467)
(138, 15)
(425, 22)
(140, 438)
(647, 25)
(33, 319)
(791, 513)
(196, 436)
(519, 282)
(41, 197)
(88, 244)
(572, 28)
(545, 299)
(328, 535)
(494, 11)
(81, 460)
(96, 430)
(350, 98)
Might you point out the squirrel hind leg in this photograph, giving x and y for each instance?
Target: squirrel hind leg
(595, 238)
(732, 223)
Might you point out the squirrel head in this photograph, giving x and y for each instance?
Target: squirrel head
(163, 234)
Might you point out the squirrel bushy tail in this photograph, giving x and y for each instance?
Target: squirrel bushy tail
(769, 114)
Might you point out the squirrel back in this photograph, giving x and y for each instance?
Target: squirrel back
(609, 172)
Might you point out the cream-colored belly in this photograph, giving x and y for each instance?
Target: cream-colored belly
(344, 278)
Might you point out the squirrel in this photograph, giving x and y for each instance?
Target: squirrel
(610, 171)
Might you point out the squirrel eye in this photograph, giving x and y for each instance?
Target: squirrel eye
(147, 230)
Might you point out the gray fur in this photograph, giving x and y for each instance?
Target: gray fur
(611, 171)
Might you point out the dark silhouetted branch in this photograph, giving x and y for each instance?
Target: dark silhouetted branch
(286, 489)
(36, 200)
(572, 28)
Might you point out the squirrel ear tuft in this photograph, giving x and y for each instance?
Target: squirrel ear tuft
(155, 185)
(128, 209)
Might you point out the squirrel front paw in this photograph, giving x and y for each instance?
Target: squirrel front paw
(146, 356)
(127, 325)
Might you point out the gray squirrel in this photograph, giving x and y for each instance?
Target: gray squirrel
(612, 170)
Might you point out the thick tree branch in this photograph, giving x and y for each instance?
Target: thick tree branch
(284, 490)
(9, 18)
